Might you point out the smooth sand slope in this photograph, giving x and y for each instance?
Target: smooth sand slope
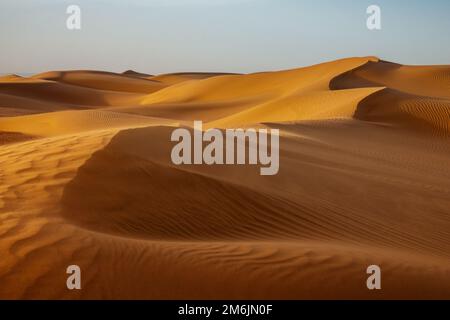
(86, 178)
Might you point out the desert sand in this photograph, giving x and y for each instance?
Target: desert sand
(86, 178)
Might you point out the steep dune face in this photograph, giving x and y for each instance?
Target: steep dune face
(410, 111)
(431, 81)
(361, 182)
(415, 96)
(315, 105)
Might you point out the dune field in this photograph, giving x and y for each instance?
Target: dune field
(86, 179)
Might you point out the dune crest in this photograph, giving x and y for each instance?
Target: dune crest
(103, 81)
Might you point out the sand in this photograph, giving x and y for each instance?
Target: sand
(86, 178)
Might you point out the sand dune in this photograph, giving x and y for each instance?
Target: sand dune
(13, 105)
(72, 96)
(11, 137)
(68, 122)
(416, 96)
(103, 81)
(417, 80)
(258, 86)
(87, 179)
(136, 74)
(174, 78)
(10, 77)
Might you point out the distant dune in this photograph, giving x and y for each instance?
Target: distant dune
(87, 179)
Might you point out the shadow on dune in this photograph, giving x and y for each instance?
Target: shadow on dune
(395, 104)
(130, 188)
(54, 92)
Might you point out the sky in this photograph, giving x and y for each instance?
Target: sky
(160, 36)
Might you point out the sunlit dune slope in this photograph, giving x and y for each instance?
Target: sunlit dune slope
(258, 86)
(271, 96)
(315, 105)
(174, 78)
(65, 122)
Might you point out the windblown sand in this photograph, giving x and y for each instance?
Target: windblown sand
(86, 179)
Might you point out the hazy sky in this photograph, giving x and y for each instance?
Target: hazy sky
(157, 36)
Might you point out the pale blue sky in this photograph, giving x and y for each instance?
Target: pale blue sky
(158, 36)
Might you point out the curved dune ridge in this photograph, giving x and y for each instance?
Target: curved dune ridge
(103, 81)
(416, 96)
(87, 179)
